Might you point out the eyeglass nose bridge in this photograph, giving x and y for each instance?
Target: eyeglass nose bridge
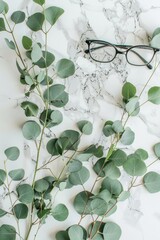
(121, 52)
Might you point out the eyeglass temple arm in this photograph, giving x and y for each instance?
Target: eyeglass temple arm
(121, 46)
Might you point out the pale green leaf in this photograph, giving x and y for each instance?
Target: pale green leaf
(128, 90)
(65, 68)
(151, 182)
(25, 193)
(7, 232)
(2, 25)
(35, 22)
(17, 174)
(60, 212)
(12, 153)
(127, 137)
(31, 130)
(27, 42)
(111, 231)
(154, 95)
(20, 211)
(52, 14)
(85, 127)
(134, 166)
(18, 17)
(2, 176)
(156, 149)
(31, 109)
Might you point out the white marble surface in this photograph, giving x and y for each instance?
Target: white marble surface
(95, 94)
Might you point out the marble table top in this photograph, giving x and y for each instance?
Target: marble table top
(95, 93)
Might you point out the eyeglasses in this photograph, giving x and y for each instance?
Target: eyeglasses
(105, 52)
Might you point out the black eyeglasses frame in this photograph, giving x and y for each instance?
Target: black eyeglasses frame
(116, 46)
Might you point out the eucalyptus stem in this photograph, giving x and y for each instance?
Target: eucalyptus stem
(15, 42)
(11, 202)
(29, 231)
(149, 79)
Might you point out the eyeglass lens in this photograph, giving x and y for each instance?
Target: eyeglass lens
(140, 55)
(102, 52)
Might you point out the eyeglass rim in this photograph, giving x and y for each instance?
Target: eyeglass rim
(141, 47)
(89, 41)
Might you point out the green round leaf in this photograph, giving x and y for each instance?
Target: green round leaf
(118, 157)
(72, 139)
(47, 81)
(79, 177)
(128, 90)
(31, 130)
(156, 32)
(54, 118)
(105, 195)
(143, 154)
(41, 185)
(41, 76)
(17, 174)
(52, 147)
(156, 149)
(10, 44)
(74, 166)
(117, 126)
(52, 14)
(43, 213)
(76, 232)
(127, 137)
(99, 166)
(132, 107)
(111, 231)
(107, 129)
(40, 2)
(95, 230)
(18, 17)
(82, 202)
(7, 232)
(65, 68)
(35, 22)
(2, 176)
(3, 7)
(98, 206)
(112, 185)
(36, 53)
(134, 166)
(46, 60)
(60, 212)
(25, 193)
(20, 211)
(2, 25)
(154, 95)
(12, 153)
(29, 80)
(2, 212)
(56, 95)
(155, 40)
(111, 171)
(62, 235)
(31, 109)
(151, 182)
(27, 42)
(123, 196)
(97, 151)
(85, 127)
